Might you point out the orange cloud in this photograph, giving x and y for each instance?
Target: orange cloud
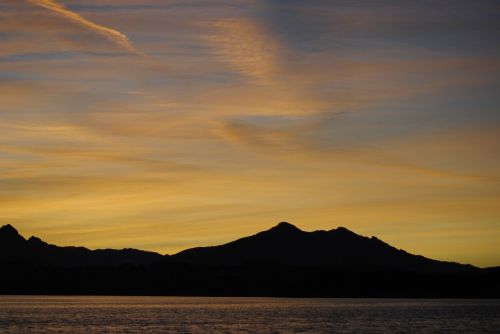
(243, 44)
(113, 35)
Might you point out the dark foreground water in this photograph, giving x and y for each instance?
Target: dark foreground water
(38, 314)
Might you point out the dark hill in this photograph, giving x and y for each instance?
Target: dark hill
(340, 248)
(16, 249)
(284, 245)
(282, 261)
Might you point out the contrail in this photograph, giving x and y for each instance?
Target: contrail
(111, 34)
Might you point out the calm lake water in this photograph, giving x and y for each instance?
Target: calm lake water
(38, 314)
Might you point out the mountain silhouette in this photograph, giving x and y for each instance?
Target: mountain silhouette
(15, 248)
(285, 244)
(282, 261)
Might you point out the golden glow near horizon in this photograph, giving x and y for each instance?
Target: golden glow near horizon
(382, 117)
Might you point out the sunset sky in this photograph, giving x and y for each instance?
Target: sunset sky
(163, 124)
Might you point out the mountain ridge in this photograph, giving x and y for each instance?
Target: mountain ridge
(282, 261)
(283, 244)
(15, 248)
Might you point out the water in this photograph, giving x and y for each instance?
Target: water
(40, 314)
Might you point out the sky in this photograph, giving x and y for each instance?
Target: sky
(168, 124)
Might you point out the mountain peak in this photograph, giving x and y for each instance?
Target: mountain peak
(9, 233)
(285, 227)
(342, 229)
(8, 230)
(37, 241)
(8, 227)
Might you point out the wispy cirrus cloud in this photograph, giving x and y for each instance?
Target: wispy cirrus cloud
(246, 46)
(113, 35)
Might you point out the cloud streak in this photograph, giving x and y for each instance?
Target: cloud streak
(244, 45)
(113, 35)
